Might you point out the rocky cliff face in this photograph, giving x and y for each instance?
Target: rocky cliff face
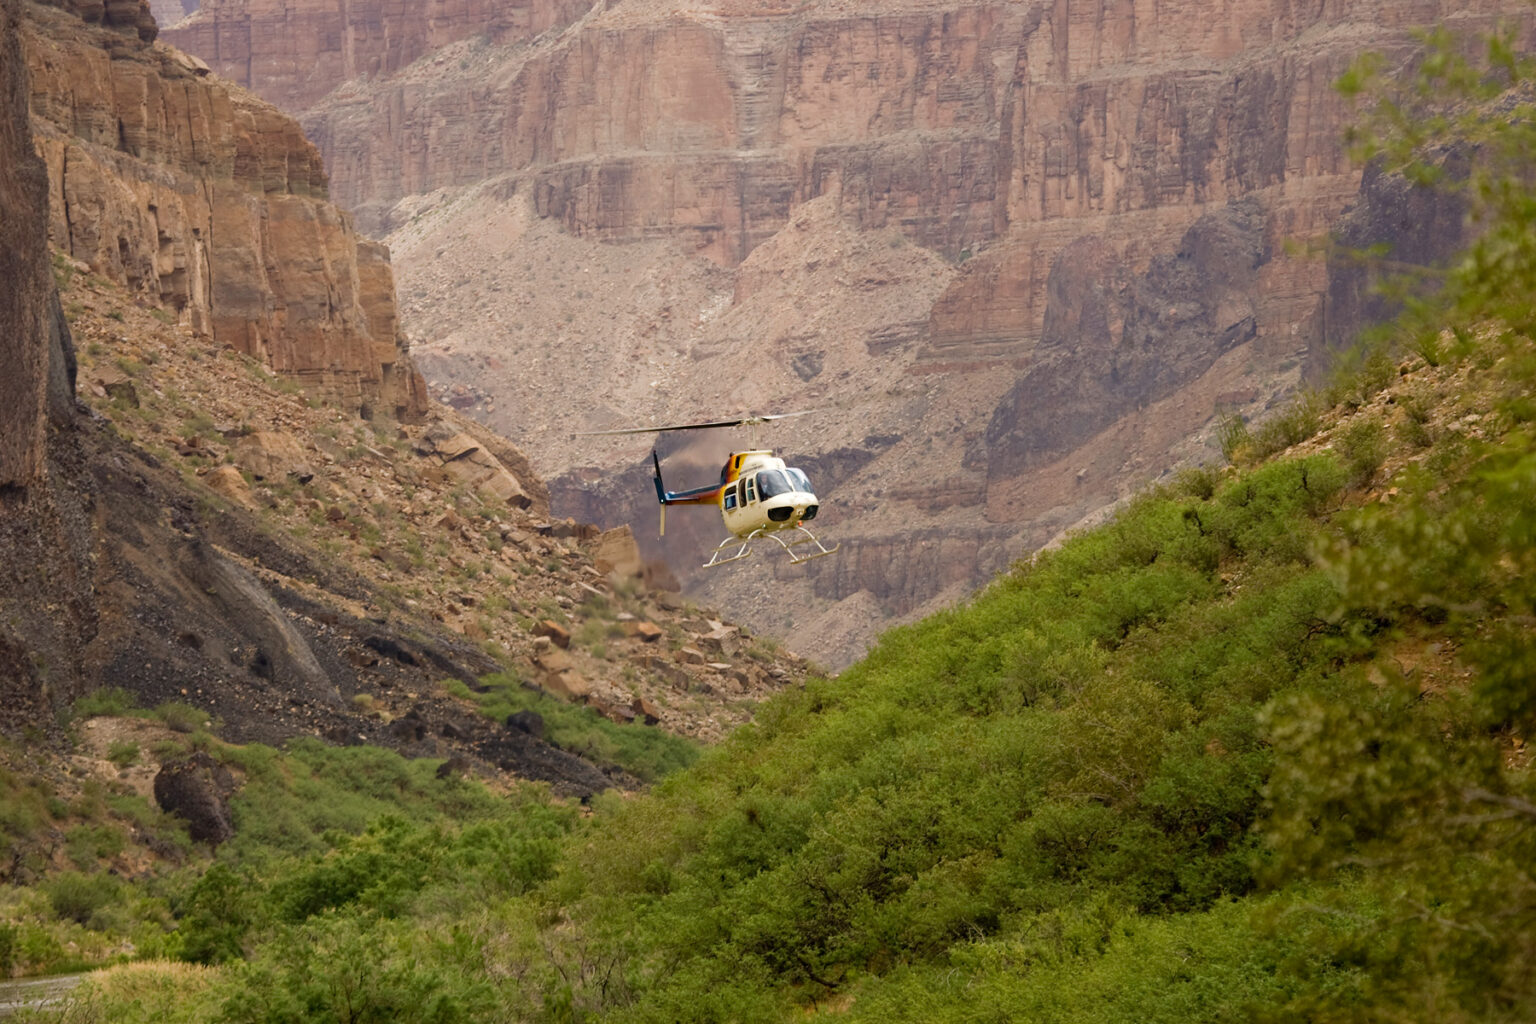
(1416, 225)
(45, 508)
(24, 305)
(169, 12)
(1102, 191)
(296, 54)
(211, 204)
(1113, 339)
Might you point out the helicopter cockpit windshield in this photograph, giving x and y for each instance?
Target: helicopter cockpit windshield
(773, 482)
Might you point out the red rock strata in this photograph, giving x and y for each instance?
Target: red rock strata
(211, 203)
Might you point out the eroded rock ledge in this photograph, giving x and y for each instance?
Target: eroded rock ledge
(210, 204)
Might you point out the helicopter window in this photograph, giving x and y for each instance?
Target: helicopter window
(772, 483)
(799, 479)
(751, 491)
(730, 500)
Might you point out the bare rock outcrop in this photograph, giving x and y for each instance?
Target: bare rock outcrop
(45, 544)
(295, 54)
(129, 17)
(197, 789)
(1114, 340)
(1418, 226)
(211, 204)
(24, 304)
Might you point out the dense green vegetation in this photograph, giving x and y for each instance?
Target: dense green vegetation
(316, 827)
(644, 752)
(1256, 750)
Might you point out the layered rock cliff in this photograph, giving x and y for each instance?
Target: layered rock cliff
(296, 54)
(1039, 242)
(211, 204)
(23, 215)
(45, 545)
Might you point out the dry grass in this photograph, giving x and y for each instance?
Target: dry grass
(158, 990)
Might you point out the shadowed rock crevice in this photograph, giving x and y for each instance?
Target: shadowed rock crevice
(1410, 227)
(1115, 340)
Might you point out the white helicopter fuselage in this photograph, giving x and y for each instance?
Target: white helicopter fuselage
(765, 495)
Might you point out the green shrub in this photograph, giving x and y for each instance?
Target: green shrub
(109, 700)
(344, 971)
(10, 938)
(648, 753)
(79, 897)
(1362, 445)
(1295, 423)
(179, 717)
(123, 753)
(1414, 424)
(63, 270)
(87, 844)
(1232, 436)
(216, 916)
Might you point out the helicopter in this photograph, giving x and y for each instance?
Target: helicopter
(758, 494)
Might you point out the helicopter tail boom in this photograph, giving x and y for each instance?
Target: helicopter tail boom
(707, 495)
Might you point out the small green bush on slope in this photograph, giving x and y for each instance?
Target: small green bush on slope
(648, 753)
(293, 798)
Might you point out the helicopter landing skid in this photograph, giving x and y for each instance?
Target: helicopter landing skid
(734, 548)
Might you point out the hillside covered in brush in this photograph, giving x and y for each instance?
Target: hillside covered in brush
(1254, 750)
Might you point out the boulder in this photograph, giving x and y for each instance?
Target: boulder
(271, 455)
(530, 722)
(197, 789)
(621, 714)
(558, 634)
(647, 631)
(568, 686)
(472, 463)
(111, 381)
(616, 552)
(226, 480)
(645, 710)
(554, 660)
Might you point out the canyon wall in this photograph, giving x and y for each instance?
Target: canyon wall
(47, 611)
(169, 12)
(295, 54)
(24, 302)
(211, 204)
(1105, 192)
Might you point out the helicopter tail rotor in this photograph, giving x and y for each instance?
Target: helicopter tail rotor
(661, 491)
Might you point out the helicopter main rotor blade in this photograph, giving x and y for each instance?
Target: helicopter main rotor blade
(742, 422)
